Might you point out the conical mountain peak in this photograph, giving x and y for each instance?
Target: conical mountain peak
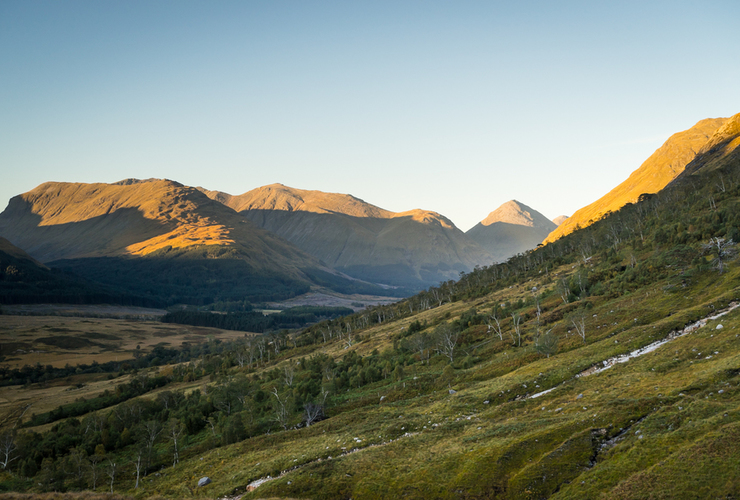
(560, 219)
(514, 212)
(511, 229)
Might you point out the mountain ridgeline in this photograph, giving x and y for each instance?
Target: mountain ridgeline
(413, 249)
(165, 243)
(161, 240)
(171, 243)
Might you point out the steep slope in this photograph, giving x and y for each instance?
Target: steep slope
(511, 229)
(414, 248)
(722, 149)
(664, 165)
(553, 375)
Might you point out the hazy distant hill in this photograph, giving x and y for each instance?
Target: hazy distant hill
(664, 165)
(414, 248)
(160, 238)
(511, 229)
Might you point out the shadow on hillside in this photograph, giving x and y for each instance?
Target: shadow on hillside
(104, 234)
(397, 251)
(504, 240)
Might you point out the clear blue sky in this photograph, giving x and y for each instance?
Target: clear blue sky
(455, 107)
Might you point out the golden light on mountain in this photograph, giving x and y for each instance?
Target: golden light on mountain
(720, 150)
(73, 220)
(664, 165)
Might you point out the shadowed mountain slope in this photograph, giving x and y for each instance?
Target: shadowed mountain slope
(24, 280)
(511, 229)
(413, 248)
(664, 165)
(13, 251)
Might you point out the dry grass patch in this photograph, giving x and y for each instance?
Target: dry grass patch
(58, 341)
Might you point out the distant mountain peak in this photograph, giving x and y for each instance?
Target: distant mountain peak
(285, 198)
(511, 229)
(560, 219)
(517, 213)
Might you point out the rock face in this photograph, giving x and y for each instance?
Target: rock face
(415, 248)
(59, 220)
(511, 229)
(664, 165)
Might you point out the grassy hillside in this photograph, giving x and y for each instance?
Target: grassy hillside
(492, 386)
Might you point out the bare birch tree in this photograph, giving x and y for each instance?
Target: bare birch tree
(175, 430)
(494, 324)
(152, 429)
(111, 472)
(281, 409)
(516, 323)
(447, 337)
(578, 320)
(314, 410)
(289, 373)
(721, 251)
(8, 446)
(138, 460)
